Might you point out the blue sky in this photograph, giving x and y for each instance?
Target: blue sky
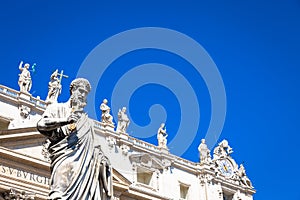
(254, 44)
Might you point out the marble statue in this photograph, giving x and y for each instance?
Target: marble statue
(162, 136)
(79, 169)
(204, 152)
(24, 81)
(222, 150)
(123, 120)
(243, 177)
(106, 116)
(54, 88)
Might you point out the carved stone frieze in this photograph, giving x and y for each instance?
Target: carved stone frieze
(146, 160)
(14, 194)
(205, 178)
(125, 149)
(111, 141)
(24, 111)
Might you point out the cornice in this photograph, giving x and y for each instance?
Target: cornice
(12, 157)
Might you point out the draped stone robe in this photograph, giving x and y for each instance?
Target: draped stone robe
(79, 170)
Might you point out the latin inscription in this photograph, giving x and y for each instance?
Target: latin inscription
(21, 174)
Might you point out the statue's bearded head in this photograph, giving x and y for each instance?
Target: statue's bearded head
(79, 90)
(27, 66)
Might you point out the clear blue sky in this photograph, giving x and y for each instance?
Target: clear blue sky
(254, 44)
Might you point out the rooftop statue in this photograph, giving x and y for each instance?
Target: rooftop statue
(123, 120)
(79, 169)
(162, 136)
(243, 177)
(54, 86)
(222, 150)
(106, 116)
(204, 152)
(24, 81)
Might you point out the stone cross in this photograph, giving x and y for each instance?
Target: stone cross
(62, 75)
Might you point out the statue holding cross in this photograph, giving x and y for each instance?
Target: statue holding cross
(54, 86)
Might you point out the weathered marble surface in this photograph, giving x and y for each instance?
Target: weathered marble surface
(79, 169)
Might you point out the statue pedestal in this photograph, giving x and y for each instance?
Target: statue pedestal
(123, 135)
(26, 96)
(164, 150)
(107, 126)
(48, 102)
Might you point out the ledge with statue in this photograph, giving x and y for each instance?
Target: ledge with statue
(67, 120)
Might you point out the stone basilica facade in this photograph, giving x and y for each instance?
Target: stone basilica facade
(140, 170)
